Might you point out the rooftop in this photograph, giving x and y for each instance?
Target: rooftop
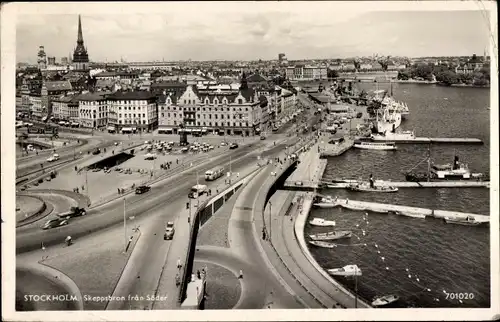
(136, 95)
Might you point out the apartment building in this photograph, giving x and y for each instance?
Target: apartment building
(92, 110)
(130, 112)
(215, 112)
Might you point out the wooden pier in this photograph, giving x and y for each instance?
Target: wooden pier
(408, 184)
(333, 150)
(414, 212)
(424, 140)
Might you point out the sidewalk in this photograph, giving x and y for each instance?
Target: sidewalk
(283, 258)
(178, 248)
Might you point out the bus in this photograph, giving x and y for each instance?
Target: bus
(214, 174)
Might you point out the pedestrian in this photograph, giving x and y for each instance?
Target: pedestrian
(189, 219)
(77, 190)
(118, 190)
(198, 274)
(241, 274)
(83, 188)
(179, 265)
(76, 168)
(237, 175)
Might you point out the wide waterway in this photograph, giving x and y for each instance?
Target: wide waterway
(413, 256)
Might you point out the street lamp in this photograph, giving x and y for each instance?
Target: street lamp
(270, 222)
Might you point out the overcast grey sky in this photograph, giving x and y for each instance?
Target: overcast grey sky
(247, 31)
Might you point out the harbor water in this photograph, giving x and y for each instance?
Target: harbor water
(426, 262)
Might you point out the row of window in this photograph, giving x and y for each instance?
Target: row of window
(215, 101)
(209, 109)
(216, 116)
(228, 124)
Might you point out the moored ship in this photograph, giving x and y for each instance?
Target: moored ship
(380, 146)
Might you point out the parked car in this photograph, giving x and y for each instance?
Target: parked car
(96, 151)
(55, 222)
(142, 189)
(233, 146)
(169, 231)
(73, 212)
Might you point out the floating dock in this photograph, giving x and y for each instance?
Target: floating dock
(309, 171)
(408, 184)
(414, 212)
(424, 140)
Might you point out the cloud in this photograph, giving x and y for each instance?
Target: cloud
(198, 32)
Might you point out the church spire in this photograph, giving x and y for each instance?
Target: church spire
(80, 34)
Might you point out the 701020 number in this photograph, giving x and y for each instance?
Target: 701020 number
(459, 296)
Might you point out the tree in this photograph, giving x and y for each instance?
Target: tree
(447, 77)
(404, 74)
(331, 73)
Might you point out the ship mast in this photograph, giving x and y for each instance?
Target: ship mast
(429, 164)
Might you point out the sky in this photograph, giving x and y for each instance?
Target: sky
(250, 31)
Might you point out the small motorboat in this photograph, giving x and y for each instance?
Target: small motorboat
(322, 222)
(467, 221)
(332, 235)
(323, 244)
(348, 270)
(367, 188)
(384, 300)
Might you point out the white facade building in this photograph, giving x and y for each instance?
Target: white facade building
(132, 111)
(92, 110)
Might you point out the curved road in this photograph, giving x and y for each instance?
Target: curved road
(110, 214)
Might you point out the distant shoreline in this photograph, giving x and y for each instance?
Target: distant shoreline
(413, 81)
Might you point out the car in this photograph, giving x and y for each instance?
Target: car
(223, 144)
(359, 115)
(96, 151)
(233, 146)
(55, 222)
(53, 158)
(169, 231)
(299, 183)
(142, 189)
(184, 150)
(73, 212)
(262, 137)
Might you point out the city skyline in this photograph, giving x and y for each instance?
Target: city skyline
(299, 32)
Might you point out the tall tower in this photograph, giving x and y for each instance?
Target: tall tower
(42, 58)
(80, 55)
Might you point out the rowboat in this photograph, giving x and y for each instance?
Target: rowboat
(384, 300)
(332, 235)
(323, 244)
